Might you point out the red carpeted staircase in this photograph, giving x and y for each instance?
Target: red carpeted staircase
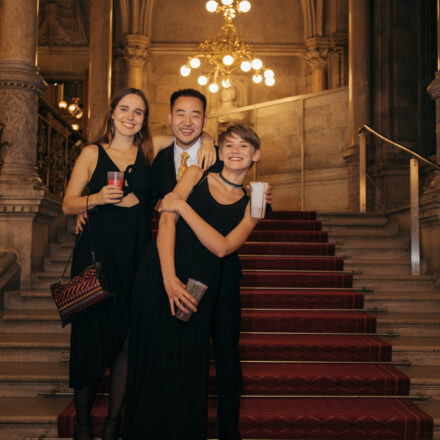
(312, 366)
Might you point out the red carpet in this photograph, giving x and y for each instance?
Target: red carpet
(290, 354)
(301, 299)
(307, 321)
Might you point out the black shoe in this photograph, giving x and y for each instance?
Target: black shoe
(111, 428)
(82, 432)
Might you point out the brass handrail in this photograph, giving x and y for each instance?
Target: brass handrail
(401, 147)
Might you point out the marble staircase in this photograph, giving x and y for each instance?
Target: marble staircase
(34, 348)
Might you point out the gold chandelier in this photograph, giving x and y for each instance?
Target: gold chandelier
(227, 52)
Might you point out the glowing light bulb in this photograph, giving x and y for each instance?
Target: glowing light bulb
(202, 80)
(226, 83)
(246, 66)
(268, 73)
(185, 70)
(257, 64)
(270, 81)
(227, 2)
(211, 6)
(244, 6)
(62, 104)
(75, 127)
(213, 88)
(194, 63)
(79, 115)
(257, 78)
(228, 60)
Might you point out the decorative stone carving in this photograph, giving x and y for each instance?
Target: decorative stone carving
(136, 50)
(64, 23)
(317, 58)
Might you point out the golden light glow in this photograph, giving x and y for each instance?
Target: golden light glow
(202, 80)
(269, 81)
(219, 57)
(62, 104)
(75, 127)
(211, 6)
(194, 63)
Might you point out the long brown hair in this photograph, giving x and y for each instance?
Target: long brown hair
(142, 138)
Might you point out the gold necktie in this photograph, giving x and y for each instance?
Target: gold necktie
(183, 165)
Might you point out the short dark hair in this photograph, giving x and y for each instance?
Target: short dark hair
(188, 92)
(242, 131)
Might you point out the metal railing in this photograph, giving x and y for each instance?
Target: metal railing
(414, 188)
(58, 146)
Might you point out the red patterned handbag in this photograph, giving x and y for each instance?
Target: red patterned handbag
(84, 292)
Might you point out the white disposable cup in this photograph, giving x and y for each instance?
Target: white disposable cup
(258, 199)
(197, 290)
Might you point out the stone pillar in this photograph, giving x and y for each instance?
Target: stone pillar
(136, 51)
(317, 60)
(100, 65)
(358, 88)
(22, 203)
(434, 87)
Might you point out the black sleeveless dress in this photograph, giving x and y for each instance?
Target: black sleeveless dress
(169, 359)
(120, 237)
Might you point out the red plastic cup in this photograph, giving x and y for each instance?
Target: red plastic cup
(116, 178)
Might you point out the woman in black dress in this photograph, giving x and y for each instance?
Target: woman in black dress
(120, 229)
(168, 358)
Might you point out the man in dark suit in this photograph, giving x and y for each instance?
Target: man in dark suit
(187, 119)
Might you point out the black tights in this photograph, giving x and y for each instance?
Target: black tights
(85, 396)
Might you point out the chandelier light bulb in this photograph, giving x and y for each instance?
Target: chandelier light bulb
(228, 60)
(268, 73)
(257, 78)
(75, 127)
(244, 6)
(246, 66)
(211, 6)
(226, 83)
(227, 2)
(202, 80)
(213, 88)
(62, 104)
(257, 64)
(71, 108)
(79, 115)
(185, 70)
(194, 63)
(270, 81)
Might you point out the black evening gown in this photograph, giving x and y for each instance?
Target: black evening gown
(120, 236)
(169, 359)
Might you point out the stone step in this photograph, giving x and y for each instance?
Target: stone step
(390, 230)
(372, 266)
(347, 242)
(432, 407)
(403, 301)
(34, 347)
(425, 380)
(364, 253)
(43, 280)
(66, 238)
(26, 321)
(56, 250)
(30, 417)
(417, 350)
(393, 282)
(409, 324)
(56, 264)
(29, 379)
(29, 300)
(352, 219)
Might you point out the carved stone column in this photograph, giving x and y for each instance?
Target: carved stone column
(24, 208)
(100, 66)
(317, 60)
(358, 88)
(136, 51)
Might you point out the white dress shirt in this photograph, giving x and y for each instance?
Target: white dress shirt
(192, 151)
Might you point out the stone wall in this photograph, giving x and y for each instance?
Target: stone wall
(319, 122)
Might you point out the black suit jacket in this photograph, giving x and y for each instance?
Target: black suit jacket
(164, 173)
